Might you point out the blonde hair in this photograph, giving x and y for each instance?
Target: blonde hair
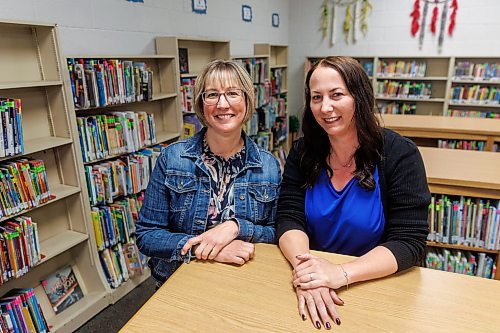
(227, 73)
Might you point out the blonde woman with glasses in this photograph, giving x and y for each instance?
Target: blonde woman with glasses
(213, 195)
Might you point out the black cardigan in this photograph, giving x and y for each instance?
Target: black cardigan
(405, 198)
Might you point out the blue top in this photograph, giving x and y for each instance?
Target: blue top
(350, 221)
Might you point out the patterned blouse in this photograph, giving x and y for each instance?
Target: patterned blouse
(222, 172)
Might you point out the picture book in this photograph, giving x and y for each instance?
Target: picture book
(62, 289)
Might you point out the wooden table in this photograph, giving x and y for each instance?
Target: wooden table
(258, 297)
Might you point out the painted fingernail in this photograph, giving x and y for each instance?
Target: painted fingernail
(328, 326)
(337, 321)
(298, 286)
(297, 256)
(341, 300)
(318, 325)
(304, 317)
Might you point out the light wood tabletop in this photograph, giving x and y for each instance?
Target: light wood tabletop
(258, 297)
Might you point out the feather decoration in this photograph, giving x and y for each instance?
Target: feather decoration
(422, 30)
(324, 18)
(355, 22)
(415, 14)
(333, 31)
(443, 25)
(434, 17)
(366, 7)
(347, 23)
(453, 16)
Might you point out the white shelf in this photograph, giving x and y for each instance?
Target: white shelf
(60, 243)
(412, 78)
(125, 288)
(29, 84)
(39, 144)
(426, 100)
(59, 191)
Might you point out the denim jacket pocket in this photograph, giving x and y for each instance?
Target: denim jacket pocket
(182, 188)
(262, 197)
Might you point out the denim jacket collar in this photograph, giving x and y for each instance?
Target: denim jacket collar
(194, 147)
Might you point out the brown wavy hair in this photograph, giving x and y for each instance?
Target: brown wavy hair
(316, 146)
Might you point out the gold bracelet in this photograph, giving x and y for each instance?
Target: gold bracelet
(346, 276)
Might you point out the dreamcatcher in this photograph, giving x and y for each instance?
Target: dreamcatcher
(355, 19)
(417, 25)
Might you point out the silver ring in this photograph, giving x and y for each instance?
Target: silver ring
(311, 277)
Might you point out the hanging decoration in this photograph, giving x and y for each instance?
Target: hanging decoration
(355, 20)
(418, 22)
(415, 14)
(324, 18)
(453, 16)
(434, 17)
(347, 23)
(422, 31)
(366, 7)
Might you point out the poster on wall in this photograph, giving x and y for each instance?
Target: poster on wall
(199, 6)
(275, 19)
(246, 13)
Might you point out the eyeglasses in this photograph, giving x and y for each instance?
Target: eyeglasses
(233, 96)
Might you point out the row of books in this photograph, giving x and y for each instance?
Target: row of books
(115, 133)
(368, 67)
(277, 80)
(467, 70)
(475, 94)
(401, 68)
(463, 262)
(472, 114)
(19, 247)
(102, 82)
(11, 130)
(115, 223)
(262, 94)
(23, 185)
(278, 104)
(407, 89)
(21, 312)
(122, 262)
(464, 221)
(462, 144)
(257, 68)
(187, 94)
(397, 108)
(128, 175)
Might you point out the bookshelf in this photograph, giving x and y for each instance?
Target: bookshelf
(442, 78)
(192, 55)
(32, 71)
(162, 104)
(397, 83)
(446, 175)
(278, 75)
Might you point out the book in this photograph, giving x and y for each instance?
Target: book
(183, 60)
(62, 289)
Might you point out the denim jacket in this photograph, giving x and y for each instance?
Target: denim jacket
(175, 207)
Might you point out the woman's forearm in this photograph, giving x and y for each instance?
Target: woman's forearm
(377, 263)
(293, 243)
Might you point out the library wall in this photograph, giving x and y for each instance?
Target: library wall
(122, 27)
(388, 35)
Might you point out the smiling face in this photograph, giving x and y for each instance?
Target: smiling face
(225, 116)
(331, 103)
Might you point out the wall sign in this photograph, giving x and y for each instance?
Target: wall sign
(246, 13)
(199, 6)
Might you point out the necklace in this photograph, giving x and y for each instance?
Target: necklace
(349, 163)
